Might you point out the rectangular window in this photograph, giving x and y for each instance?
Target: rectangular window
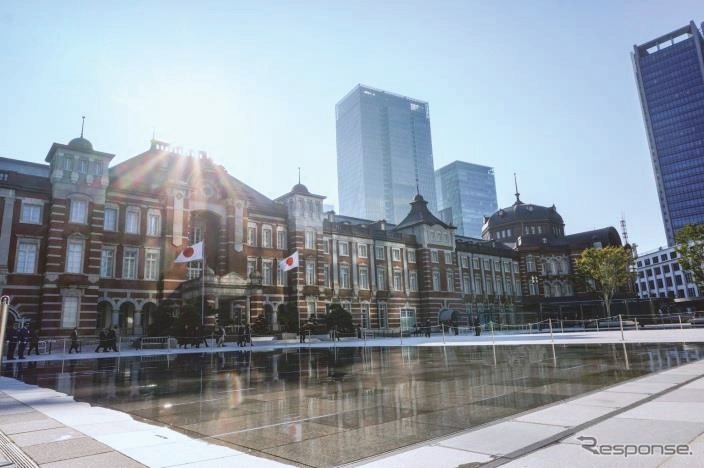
(251, 267)
(326, 275)
(280, 239)
(383, 315)
(434, 256)
(266, 237)
(280, 276)
(151, 265)
(31, 213)
(396, 255)
(466, 285)
(411, 256)
(68, 164)
(107, 262)
(397, 280)
(381, 279)
(436, 281)
(363, 278)
(478, 285)
(465, 262)
(448, 258)
(252, 235)
(450, 281)
(110, 219)
(344, 276)
(362, 250)
(153, 224)
(79, 211)
(344, 247)
(326, 246)
(74, 256)
(69, 311)
(83, 166)
(309, 240)
(26, 256)
(475, 262)
(310, 272)
(267, 271)
(129, 263)
(365, 315)
(379, 254)
(310, 306)
(413, 280)
(132, 220)
(489, 286)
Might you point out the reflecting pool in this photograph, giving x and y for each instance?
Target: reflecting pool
(324, 407)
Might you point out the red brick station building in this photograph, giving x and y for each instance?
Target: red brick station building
(86, 244)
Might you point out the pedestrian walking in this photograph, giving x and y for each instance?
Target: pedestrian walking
(111, 339)
(102, 338)
(74, 342)
(22, 338)
(248, 334)
(33, 341)
(427, 328)
(12, 343)
(221, 337)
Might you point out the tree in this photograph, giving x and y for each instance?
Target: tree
(339, 319)
(609, 268)
(690, 248)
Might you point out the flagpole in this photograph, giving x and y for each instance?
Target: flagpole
(298, 302)
(202, 275)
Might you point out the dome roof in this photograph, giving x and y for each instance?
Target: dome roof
(520, 211)
(80, 143)
(300, 189)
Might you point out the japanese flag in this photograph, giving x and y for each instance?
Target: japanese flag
(191, 254)
(290, 262)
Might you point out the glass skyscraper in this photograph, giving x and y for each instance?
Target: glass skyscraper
(670, 75)
(384, 154)
(465, 194)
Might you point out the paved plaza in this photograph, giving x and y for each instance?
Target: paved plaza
(44, 427)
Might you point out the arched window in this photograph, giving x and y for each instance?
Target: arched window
(547, 288)
(530, 263)
(556, 289)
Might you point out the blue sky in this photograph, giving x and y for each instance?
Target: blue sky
(544, 89)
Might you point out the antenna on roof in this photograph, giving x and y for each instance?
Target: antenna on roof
(417, 186)
(82, 124)
(515, 182)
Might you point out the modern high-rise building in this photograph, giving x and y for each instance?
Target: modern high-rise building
(384, 154)
(465, 194)
(670, 75)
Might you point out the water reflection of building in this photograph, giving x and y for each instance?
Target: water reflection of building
(88, 245)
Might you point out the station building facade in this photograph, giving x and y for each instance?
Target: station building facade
(88, 245)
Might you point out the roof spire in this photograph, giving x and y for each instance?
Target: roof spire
(82, 124)
(515, 182)
(299, 174)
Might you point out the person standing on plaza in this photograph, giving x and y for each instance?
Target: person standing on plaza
(11, 343)
(477, 326)
(427, 328)
(74, 342)
(22, 337)
(33, 341)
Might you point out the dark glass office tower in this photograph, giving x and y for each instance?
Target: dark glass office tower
(670, 75)
(383, 149)
(465, 194)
